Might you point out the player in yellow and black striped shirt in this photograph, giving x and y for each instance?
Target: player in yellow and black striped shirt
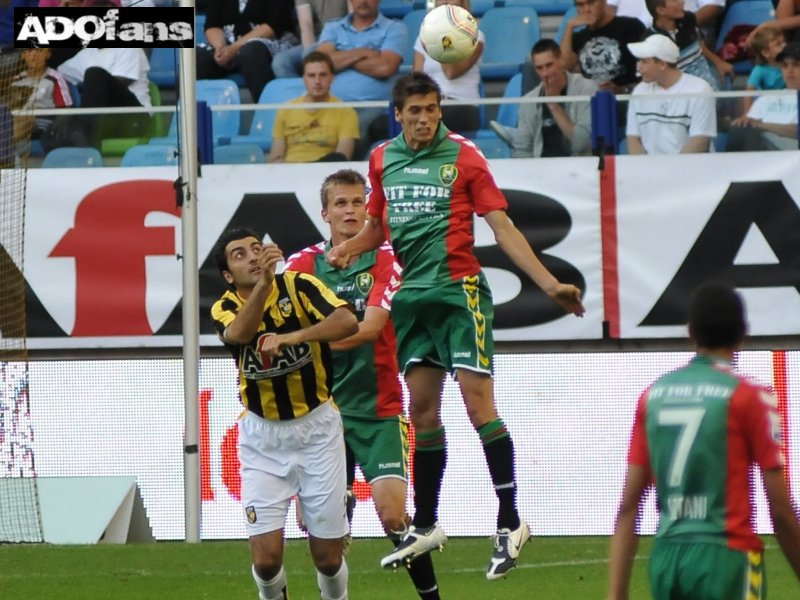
(290, 437)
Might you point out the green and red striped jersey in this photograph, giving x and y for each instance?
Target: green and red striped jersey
(365, 379)
(698, 430)
(426, 200)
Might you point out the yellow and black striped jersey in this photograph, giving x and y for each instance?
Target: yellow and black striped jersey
(301, 377)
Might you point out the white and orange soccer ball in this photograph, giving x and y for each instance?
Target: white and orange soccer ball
(449, 33)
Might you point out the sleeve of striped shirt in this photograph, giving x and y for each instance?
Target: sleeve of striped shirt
(317, 300)
(758, 408)
(638, 453)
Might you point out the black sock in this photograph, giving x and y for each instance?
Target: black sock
(422, 574)
(499, 451)
(430, 458)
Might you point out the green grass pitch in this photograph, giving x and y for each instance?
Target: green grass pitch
(550, 568)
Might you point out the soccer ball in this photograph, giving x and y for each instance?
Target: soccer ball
(449, 33)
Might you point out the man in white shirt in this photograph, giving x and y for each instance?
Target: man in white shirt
(771, 123)
(668, 125)
(108, 77)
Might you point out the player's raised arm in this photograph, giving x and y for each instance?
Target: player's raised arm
(369, 238)
(517, 248)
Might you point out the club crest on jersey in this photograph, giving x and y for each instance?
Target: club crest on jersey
(250, 511)
(364, 283)
(448, 175)
(285, 306)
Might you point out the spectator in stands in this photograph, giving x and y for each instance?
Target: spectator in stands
(632, 8)
(668, 125)
(787, 17)
(48, 89)
(708, 14)
(670, 19)
(315, 135)
(458, 81)
(242, 38)
(552, 128)
(106, 77)
(311, 16)
(366, 48)
(766, 74)
(771, 123)
(600, 47)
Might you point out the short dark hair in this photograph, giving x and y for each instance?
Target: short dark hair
(653, 6)
(237, 233)
(717, 316)
(342, 176)
(546, 45)
(315, 57)
(412, 84)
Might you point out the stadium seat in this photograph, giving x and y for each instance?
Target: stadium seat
(225, 124)
(542, 7)
(412, 21)
(147, 155)
(480, 7)
(562, 27)
(276, 91)
(493, 147)
(117, 146)
(510, 34)
(397, 9)
(239, 154)
(164, 67)
(507, 114)
(745, 12)
(199, 32)
(60, 158)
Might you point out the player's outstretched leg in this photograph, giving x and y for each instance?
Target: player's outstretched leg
(512, 533)
(415, 543)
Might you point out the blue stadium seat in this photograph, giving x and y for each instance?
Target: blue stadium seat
(164, 68)
(480, 7)
(412, 21)
(72, 158)
(199, 32)
(510, 34)
(563, 25)
(146, 155)
(397, 9)
(745, 12)
(493, 147)
(225, 124)
(239, 154)
(507, 114)
(542, 7)
(276, 91)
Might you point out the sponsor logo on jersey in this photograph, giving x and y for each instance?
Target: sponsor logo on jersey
(257, 364)
(364, 283)
(416, 170)
(448, 175)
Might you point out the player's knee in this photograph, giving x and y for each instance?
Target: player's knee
(267, 567)
(329, 563)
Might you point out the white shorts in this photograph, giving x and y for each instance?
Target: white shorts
(303, 457)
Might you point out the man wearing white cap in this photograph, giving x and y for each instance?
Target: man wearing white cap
(668, 125)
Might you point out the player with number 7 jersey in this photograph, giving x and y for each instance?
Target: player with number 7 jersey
(697, 433)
